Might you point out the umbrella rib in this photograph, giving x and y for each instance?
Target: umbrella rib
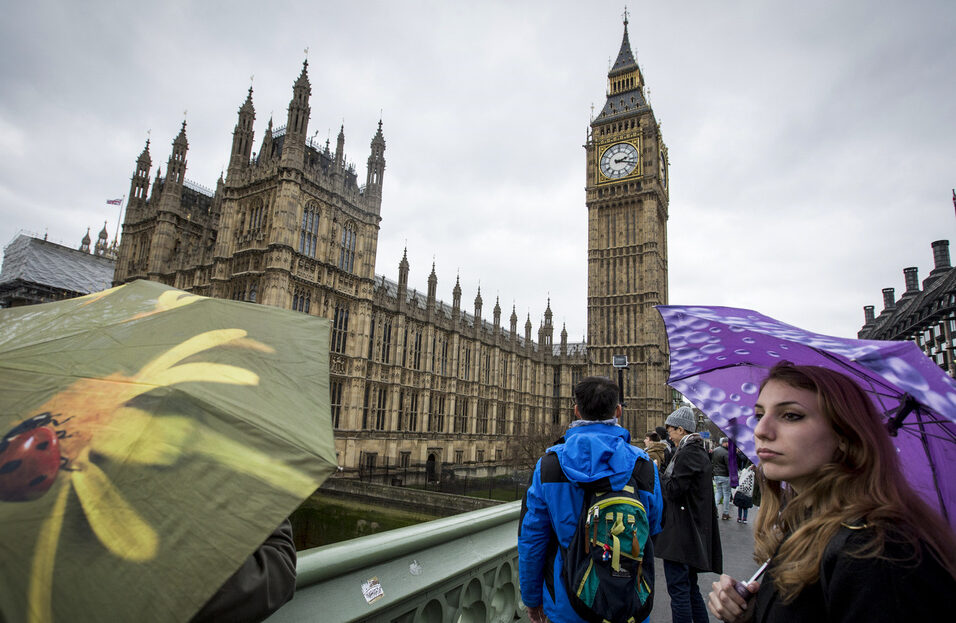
(932, 465)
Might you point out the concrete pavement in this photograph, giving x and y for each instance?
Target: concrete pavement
(737, 543)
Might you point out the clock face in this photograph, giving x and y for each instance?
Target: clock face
(619, 161)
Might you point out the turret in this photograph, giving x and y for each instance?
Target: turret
(564, 339)
(497, 313)
(478, 303)
(176, 166)
(140, 182)
(456, 298)
(340, 150)
(514, 322)
(265, 150)
(297, 124)
(242, 137)
(432, 288)
(403, 276)
(527, 331)
(102, 242)
(376, 166)
(85, 243)
(547, 330)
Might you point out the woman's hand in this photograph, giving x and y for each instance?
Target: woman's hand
(727, 604)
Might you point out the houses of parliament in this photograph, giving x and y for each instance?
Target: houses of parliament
(413, 380)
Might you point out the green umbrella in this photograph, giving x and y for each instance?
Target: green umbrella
(152, 439)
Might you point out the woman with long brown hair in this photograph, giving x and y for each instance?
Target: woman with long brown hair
(846, 536)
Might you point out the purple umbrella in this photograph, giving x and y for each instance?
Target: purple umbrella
(720, 355)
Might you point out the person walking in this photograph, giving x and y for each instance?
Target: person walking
(744, 495)
(847, 538)
(656, 449)
(722, 477)
(690, 540)
(594, 448)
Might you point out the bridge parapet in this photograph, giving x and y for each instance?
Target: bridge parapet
(462, 568)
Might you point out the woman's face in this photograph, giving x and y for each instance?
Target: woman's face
(793, 438)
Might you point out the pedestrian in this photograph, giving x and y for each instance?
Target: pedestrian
(655, 448)
(595, 447)
(847, 537)
(690, 541)
(669, 450)
(720, 459)
(743, 496)
(261, 585)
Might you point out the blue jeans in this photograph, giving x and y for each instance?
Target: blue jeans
(722, 492)
(687, 604)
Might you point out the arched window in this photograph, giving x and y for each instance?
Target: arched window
(340, 327)
(309, 233)
(347, 248)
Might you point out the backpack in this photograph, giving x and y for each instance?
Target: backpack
(603, 565)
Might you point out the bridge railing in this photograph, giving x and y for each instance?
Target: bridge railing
(462, 568)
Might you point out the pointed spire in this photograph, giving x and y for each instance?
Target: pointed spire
(478, 301)
(85, 243)
(625, 58)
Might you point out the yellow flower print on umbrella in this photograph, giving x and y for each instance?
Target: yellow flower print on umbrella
(99, 423)
(163, 426)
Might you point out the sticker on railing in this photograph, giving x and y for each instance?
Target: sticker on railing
(372, 590)
(415, 568)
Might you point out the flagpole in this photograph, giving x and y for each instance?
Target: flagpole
(119, 219)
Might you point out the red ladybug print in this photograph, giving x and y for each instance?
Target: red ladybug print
(30, 458)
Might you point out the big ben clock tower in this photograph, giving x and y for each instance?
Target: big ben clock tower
(627, 201)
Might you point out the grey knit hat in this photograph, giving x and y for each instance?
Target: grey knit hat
(683, 417)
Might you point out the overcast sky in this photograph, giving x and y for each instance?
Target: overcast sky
(812, 145)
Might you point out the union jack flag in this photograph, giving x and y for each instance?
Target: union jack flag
(115, 202)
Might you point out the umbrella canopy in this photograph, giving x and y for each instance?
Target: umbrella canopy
(720, 355)
(151, 440)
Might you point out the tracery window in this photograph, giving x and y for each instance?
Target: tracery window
(461, 408)
(340, 327)
(309, 232)
(335, 399)
(347, 248)
(301, 301)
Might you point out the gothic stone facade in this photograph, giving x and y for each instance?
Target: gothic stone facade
(413, 381)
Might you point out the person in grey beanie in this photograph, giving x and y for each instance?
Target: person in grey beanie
(690, 540)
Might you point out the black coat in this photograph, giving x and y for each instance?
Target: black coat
(854, 589)
(690, 531)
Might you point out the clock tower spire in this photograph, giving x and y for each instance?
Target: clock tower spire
(627, 202)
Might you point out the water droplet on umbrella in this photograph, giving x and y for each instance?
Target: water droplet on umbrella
(735, 397)
(737, 329)
(721, 357)
(748, 388)
(748, 340)
(741, 351)
(773, 353)
(784, 347)
(715, 329)
(712, 349)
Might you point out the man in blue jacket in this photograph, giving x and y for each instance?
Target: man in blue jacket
(594, 447)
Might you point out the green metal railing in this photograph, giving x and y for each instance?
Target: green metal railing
(462, 568)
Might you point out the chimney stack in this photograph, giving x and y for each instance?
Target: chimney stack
(889, 301)
(941, 255)
(868, 314)
(910, 275)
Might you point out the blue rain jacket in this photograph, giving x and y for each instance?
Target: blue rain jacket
(552, 509)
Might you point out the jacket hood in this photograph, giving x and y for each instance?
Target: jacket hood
(597, 451)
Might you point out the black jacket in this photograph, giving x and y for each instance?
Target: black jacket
(263, 584)
(721, 463)
(857, 590)
(690, 532)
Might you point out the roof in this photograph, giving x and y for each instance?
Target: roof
(42, 262)
(912, 311)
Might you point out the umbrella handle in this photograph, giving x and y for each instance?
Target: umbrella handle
(908, 406)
